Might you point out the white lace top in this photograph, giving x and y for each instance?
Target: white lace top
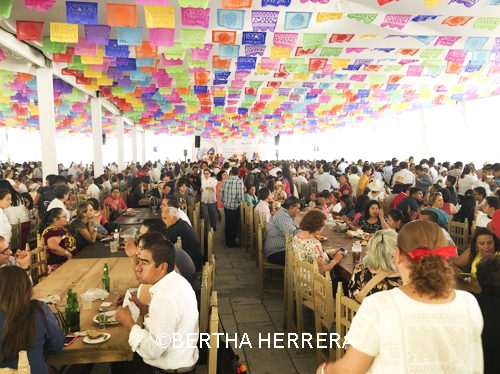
(16, 213)
(407, 336)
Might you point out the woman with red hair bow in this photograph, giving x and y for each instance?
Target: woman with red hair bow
(424, 325)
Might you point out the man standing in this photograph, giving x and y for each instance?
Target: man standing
(208, 200)
(231, 195)
(326, 181)
(278, 167)
(408, 175)
(74, 170)
(173, 310)
(424, 180)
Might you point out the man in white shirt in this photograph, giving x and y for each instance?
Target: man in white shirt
(93, 190)
(173, 201)
(490, 206)
(173, 313)
(343, 165)
(20, 258)
(408, 175)
(263, 206)
(113, 168)
(301, 179)
(441, 178)
(278, 167)
(208, 200)
(106, 184)
(74, 170)
(61, 194)
(325, 180)
(156, 173)
(353, 179)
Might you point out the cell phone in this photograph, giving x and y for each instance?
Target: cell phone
(69, 339)
(342, 251)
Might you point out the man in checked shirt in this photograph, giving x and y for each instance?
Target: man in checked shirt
(231, 195)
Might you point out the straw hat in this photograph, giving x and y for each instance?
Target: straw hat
(278, 183)
(400, 179)
(376, 185)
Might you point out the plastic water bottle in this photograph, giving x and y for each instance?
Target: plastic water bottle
(116, 235)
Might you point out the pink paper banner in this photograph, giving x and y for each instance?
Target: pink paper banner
(197, 17)
(84, 48)
(446, 40)
(202, 53)
(396, 20)
(456, 55)
(161, 37)
(176, 62)
(285, 39)
(356, 50)
(267, 63)
(414, 71)
(152, 2)
(41, 5)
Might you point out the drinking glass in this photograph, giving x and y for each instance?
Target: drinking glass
(86, 301)
(116, 286)
(101, 318)
(113, 246)
(153, 208)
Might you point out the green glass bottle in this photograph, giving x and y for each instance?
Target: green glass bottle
(75, 315)
(69, 306)
(105, 278)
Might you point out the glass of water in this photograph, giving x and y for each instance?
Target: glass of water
(101, 318)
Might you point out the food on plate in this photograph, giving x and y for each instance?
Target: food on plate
(94, 334)
(364, 242)
(321, 238)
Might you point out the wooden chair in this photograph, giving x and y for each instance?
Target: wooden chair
(324, 312)
(207, 288)
(345, 310)
(32, 235)
(105, 212)
(201, 237)
(178, 243)
(242, 227)
(210, 244)
(38, 263)
(249, 230)
(288, 289)
(198, 216)
(304, 289)
(264, 266)
(16, 238)
(23, 365)
(194, 222)
(213, 331)
(313, 186)
(102, 194)
(459, 232)
(82, 197)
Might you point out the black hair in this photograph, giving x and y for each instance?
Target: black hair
(155, 224)
(414, 190)
(366, 213)
(94, 202)
(488, 275)
(27, 197)
(49, 218)
(466, 211)
(162, 251)
(493, 202)
(263, 193)
(431, 214)
(60, 190)
(446, 194)
(290, 201)
(361, 203)
(346, 199)
(452, 179)
(397, 215)
(16, 197)
(480, 191)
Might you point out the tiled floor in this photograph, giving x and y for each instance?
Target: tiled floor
(241, 311)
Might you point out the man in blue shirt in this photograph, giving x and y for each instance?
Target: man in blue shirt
(411, 201)
(231, 195)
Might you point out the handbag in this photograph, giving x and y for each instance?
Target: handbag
(60, 318)
(369, 286)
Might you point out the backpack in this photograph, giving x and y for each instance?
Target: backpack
(45, 200)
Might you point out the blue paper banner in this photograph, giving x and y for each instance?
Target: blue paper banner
(231, 19)
(227, 52)
(129, 35)
(219, 101)
(426, 39)
(200, 90)
(219, 82)
(115, 50)
(481, 57)
(246, 63)
(150, 62)
(81, 13)
(129, 67)
(276, 3)
(223, 76)
(297, 20)
(254, 38)
(242, 111)
(475, 43)
(423, 18)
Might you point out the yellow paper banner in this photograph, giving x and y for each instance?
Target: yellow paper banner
(89, 73)
(93, 60)
(63, 32)
(260, 70)
(366, 36)
(431, 3)
(328, 16)
(476, 74)
(339, 63)
(290, 83)
(457, 88)
(279, 52)
(219, 93)
(300, 76)
(159, 16)
(267, 90)
(92, 87)
(104, 81)
(192, 109)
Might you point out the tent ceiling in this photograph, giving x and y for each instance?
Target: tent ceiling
(377, 57)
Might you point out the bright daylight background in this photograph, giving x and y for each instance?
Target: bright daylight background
(463, 132)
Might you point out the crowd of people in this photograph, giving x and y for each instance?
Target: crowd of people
(409, 269)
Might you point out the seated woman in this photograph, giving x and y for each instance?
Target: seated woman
(335, 206)
(449, 208)
(115, 203)
(98, 217)
(83, 228)
(168, 187)
(395, 219)
(415, 328)
(488, 277)
(376, 192)
(373, 218)
(309, 247)
(250, 197)
(435, 202)
(122, 183)
(26, 323)
(279, 193)
(466, 212)
(360, 206)
(483, 242)
(60, 243)
(376, 265)
(347, 207)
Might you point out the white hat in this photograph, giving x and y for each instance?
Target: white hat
(376, 185)
(425, 166)
(442, 169)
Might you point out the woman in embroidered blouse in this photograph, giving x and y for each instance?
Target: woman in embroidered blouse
(309, 247)
(380, 250)
(483, 242)
(373, 218)
(419, 318)
(59, 241)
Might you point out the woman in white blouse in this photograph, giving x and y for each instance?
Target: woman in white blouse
(424, 326)
(17, 211)
(466, 182)
(5, 201)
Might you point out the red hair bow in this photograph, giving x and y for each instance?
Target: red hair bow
(445, 252)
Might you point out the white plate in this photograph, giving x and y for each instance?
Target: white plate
(110, 313)
(102, 339)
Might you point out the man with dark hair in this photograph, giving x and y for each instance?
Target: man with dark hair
(250, 179)
(353, 178)
(61, 194)
(430, 215)
(281, 223)
(173, 201)
(480, 195)
(173, 310)
(231, 195)
(326, 181)
(405, 173)
(263, 206)
(278, 167)
(489, 207)
(488, 277)
(405, 192)
(456, 171)
(424, 180)
(411, 201)
(451, 182)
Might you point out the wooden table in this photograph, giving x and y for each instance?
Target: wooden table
(137, 219)
(100, 250)
(81, 275)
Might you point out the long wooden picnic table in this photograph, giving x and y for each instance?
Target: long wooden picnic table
(346, 265)
(137, 219)
(81, 275)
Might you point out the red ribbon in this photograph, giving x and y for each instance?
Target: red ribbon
(445, 252)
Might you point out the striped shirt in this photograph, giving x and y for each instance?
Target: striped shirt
(279, 224)
(231, 193)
